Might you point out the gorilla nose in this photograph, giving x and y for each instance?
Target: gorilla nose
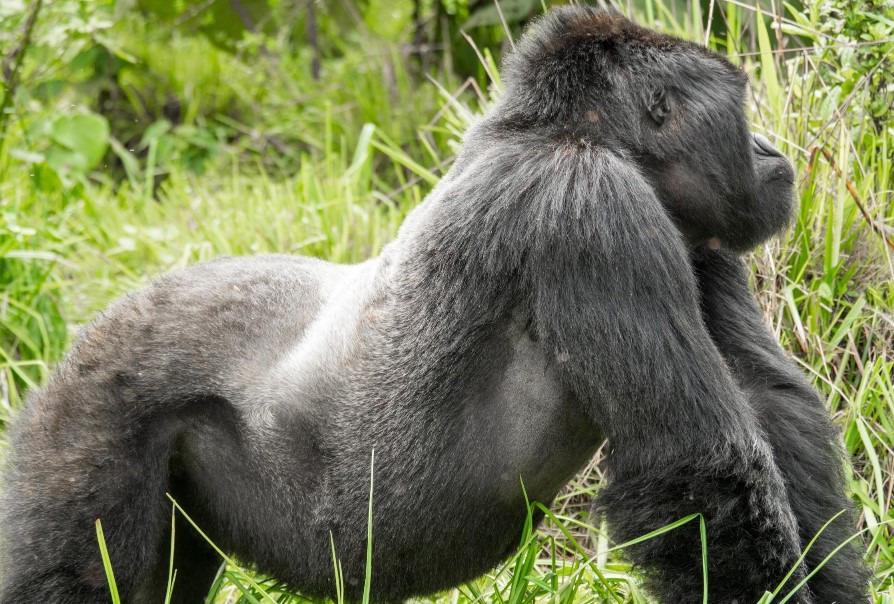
(763, 146)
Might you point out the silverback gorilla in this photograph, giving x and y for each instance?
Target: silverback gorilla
(555, 289)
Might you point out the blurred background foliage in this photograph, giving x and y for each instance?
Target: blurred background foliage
(139, 136)
(112, 88)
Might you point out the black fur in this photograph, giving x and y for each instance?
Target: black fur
(542, 298)
(805, 443)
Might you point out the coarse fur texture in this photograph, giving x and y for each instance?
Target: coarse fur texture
(805, 443)
(541, 299)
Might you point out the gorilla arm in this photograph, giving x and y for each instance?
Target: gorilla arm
(804, 440)
(615, 304)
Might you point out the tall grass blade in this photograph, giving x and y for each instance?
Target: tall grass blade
(107, 563)
(367, 580)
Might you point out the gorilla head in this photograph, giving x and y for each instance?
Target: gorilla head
(673, 107)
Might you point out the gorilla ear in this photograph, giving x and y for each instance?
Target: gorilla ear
(660, 105)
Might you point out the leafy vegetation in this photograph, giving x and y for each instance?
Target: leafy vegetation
(139, 137)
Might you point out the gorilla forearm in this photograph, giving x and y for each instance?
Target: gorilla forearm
(682, 438)
(805, 443)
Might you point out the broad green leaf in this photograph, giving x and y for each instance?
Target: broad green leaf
(86, 134)
(514, 11)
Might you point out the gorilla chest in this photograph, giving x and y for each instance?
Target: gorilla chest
(449, 481)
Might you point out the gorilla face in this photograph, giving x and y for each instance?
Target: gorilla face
(719, 182)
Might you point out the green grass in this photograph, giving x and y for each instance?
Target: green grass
(827, 286)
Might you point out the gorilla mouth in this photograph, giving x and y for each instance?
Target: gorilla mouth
(782, 175)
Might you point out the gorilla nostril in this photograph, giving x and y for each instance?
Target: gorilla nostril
(763, 146)
(786, 174)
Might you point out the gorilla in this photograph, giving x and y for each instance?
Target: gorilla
(562, 285)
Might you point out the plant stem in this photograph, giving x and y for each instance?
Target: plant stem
(12, 64)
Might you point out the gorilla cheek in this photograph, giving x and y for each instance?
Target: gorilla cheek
(691, 202)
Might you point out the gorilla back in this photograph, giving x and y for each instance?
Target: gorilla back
(540, 299)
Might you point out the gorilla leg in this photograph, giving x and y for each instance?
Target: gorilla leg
(804, 440)
(71, 464)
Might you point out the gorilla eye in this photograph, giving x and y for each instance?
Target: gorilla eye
(659, 106)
